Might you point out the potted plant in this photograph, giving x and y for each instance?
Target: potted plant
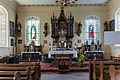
(81, 59)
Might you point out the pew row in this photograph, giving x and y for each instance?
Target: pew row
(114, 73)
(25, 72)
(101, 69)
(7, 75)
(35, 69)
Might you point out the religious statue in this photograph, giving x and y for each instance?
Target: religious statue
(18, 29)
(62, 39)
(99, 46)
(33, 30)
(79, 28)
(86, 46)
(92, 46)
(32, 46)
(106, 26)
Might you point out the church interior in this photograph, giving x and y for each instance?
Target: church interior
(59, 39)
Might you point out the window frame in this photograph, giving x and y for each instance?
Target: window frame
(86, 32)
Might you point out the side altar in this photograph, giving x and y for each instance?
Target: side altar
(30, 57)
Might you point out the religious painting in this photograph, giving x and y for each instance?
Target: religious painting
(11, 29)
(79, 41)
(112, 25)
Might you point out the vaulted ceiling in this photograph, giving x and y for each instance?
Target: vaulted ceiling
(52, 2)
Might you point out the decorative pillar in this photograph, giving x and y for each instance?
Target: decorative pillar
(17, 33)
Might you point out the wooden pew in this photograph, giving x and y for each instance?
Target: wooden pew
(101, 68)
(114, 73)
(90, 70)
(7, 75)
(24, 71)
(93, 70)
(35, 69)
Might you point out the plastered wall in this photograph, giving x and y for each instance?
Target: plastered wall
(45, 13)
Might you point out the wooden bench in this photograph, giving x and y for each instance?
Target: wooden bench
(101, 69)
(35, 69)
(114, 73)
(24, 71)
(8, 75)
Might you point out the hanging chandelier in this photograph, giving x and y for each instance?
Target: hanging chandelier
(65, 2)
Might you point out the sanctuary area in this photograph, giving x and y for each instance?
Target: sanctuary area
(59, 39)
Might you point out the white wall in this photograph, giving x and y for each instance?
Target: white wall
(6, 51)
(113, 6)
(11, 9)
(45, 13)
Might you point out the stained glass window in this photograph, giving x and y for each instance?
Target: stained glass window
(117, 20)
(92, 29)
(3, 27)
(32, 30)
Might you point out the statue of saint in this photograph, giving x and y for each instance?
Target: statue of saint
(79, 28)
(86, 46)
(33, 30)
(62, 38)
(32, 46)
(92, 46)
(99, 46)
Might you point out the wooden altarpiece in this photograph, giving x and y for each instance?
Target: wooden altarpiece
(62, 28)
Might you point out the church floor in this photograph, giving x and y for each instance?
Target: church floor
(68, 76)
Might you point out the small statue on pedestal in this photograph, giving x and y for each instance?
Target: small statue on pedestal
(92, 46)
(99, 46)
(79, 28)
(86, 46)
(32, 46)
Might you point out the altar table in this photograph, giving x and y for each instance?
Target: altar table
(55, 52)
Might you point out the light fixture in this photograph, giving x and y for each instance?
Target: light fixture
(65, 2)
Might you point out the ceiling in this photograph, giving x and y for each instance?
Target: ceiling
(52, 2)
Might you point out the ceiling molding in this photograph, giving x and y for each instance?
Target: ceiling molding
(18, 4)
(52, 5)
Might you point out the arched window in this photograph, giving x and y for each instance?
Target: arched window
(3, 27)
(117, 20)
(92, 29)
(32, 30)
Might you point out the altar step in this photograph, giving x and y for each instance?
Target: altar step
(72, 69)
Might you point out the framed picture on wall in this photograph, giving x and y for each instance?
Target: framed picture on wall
(45, 41)
(19, 41)
(11, 29)
(112, 25)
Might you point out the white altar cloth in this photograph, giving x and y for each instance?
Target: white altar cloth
(63, 52)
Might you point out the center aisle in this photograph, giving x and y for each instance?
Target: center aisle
(69, 76)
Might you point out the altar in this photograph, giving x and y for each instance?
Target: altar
(94, 54)
(72, 52)
(30, 55)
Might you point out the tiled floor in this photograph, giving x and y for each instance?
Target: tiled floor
(69, 76)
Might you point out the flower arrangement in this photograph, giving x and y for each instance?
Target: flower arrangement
(82, 58)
